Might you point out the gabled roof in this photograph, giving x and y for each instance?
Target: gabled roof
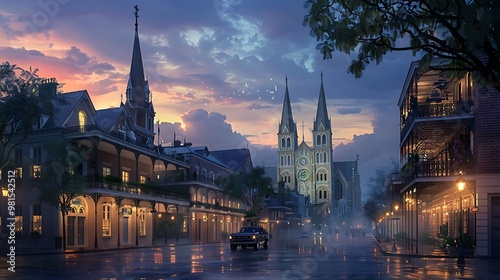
(348, 168)
(64, 106)
(106, 118)
(236, 159)
(200, 151)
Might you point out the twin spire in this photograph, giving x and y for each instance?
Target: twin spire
(322, 121)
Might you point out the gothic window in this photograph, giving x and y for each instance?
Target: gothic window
(324, 139)
(282, 159)
(324, 157)
(324, 195)
(289, 160)
(318, 140)
(317, 157)
(320, 195)
(288, 142)
(283, 143)
(338, 190)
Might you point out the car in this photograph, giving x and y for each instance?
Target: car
(249, 236)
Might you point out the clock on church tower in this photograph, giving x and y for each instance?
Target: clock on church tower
(303, 175)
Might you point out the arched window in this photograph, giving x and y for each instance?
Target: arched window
(318, 140)
(324, 139)
(82, 120)
(338, 190)
(319, 194)
(324, 157)
(289, 160)
(317, 157)
(283, 158)
(324, 195)
(283, 143)
(288, 143)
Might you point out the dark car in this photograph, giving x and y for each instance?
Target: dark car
(249, 236)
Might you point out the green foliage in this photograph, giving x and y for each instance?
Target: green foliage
(250, 188)
(464, 33)
(377, 203)
(20, 107)
(60, 180)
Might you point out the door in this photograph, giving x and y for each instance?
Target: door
(71, 231)
(81, 230)
(495, 226)
(125, 230)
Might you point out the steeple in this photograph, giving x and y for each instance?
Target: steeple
(322, 122)
(286, 116)
(138, 96)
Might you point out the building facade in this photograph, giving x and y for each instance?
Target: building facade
(311, 171)
(449, 143)
(136, 193)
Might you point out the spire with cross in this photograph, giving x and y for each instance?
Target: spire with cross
(136, 16)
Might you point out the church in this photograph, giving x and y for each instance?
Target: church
(333, 187)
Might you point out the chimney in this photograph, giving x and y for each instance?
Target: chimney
(48, 87)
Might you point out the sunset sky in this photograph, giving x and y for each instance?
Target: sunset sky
(216, 70)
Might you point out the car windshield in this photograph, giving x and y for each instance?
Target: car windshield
(248, 229)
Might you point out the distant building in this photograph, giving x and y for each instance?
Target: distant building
(333, 188)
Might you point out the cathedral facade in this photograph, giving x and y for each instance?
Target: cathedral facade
(310, 170)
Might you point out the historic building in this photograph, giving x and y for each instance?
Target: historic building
(136, 193)
(449, 188)
(310, 170)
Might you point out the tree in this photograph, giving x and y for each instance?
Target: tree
(20, 107)
(250, 188)
(61, 181)
(377, 203)
(465, 33)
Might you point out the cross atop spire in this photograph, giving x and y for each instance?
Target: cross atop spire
(136, 16)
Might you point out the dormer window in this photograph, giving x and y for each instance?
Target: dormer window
(82, 120)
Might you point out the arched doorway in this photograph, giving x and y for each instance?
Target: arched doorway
(75, 234)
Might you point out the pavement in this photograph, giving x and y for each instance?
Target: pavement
(390, 248)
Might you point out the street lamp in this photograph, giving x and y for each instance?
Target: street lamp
(461, 186)
(394, 227)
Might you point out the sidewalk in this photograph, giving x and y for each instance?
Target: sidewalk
(389, 248)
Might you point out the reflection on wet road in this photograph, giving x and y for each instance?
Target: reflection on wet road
(328, 257)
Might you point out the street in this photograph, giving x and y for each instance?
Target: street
(334, 257)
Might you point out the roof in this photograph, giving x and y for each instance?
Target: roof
(236, 159)
(106, 118)
(64, 105)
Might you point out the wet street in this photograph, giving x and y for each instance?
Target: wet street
(327, 258)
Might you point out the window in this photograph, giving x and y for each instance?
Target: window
(324, 157)
(324, 139)
(289, 160)
(125, 176)
(36, 157)
(142, 221)
(282, 160)
(106, 221)
(19, 219)
(320, 195)
(106, 171)
(82, 120)
(142, 179)
(283, 143)
(324, 195)
(288, 143)
(36, 220)
(318, 140)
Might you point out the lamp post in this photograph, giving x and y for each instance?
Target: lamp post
(394, 248)
(461, 186)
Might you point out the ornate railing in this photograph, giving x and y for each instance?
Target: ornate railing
(458, 108)
(140, 189)
(430, 168)
(114, 134)
(216, 207)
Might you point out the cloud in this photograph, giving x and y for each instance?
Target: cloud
(348, 111)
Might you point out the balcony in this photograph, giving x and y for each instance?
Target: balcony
(138, 189)
(431, 168)
(216, 206)
(437, 113)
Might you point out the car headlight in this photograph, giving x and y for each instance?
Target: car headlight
(253, 236)
(230, 237)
